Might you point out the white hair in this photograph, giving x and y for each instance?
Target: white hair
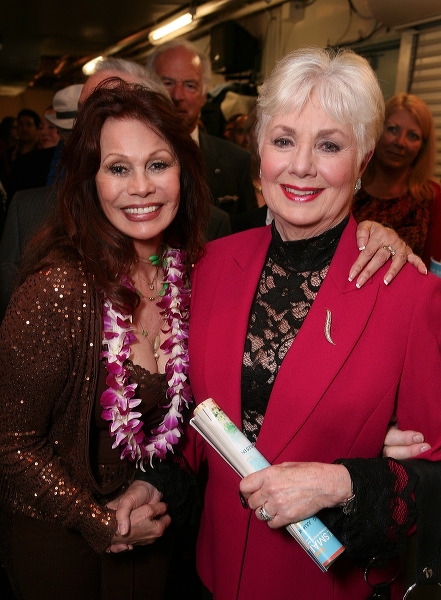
(128, 67)
(172, 44)
(342, 81)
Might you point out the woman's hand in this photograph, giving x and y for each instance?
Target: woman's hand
(403, 444)
(290, 492)
(142, 518)
(374, 241)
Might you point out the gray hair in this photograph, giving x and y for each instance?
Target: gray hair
(172, 44)
(128, 67)
(346, 87)
(123, 66)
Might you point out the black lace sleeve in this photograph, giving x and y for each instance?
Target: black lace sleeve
(383, 512)
(179, 486)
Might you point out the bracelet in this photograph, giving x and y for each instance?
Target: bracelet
(348, 507)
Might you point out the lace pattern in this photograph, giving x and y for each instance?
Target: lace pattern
(289, 283)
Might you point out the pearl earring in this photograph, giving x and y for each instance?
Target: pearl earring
(357, 186)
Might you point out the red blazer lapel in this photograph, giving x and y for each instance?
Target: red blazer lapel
(226, 304)
(315, 358)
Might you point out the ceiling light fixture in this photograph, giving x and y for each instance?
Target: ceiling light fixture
(89, 67)
(169, 28)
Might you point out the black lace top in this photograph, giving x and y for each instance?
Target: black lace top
(289, 283)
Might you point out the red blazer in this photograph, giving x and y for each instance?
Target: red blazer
(328, 401)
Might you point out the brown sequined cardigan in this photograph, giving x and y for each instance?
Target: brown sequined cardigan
(49, 353)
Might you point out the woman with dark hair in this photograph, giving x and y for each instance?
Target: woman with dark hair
(94, 357)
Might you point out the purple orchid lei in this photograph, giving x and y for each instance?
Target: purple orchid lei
(118, 400)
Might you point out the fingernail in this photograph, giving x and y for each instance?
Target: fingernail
(418, 438)
(361, 248)
(387, 280)
(424, 448)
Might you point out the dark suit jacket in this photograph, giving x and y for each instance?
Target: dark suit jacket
(218, 224)
(30, 170)
(27, 212)
(227, 169)
(249, 219)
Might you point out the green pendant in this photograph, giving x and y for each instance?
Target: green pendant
(155, 260)
(163, 289)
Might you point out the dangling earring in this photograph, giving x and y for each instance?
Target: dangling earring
(357, 186)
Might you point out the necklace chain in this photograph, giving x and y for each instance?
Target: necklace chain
(118, 399)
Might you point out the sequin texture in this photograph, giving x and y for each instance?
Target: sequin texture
(49, 365)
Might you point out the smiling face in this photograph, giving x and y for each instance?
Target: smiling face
(138, 182)
(309, 167)
(49, 136)
(400, 142)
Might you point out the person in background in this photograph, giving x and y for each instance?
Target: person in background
(128, 70)
(8, 144)
(48, 131)
(28, 129)
(236, 130)
(40, 167)
(186, 74)
(93, 349)
(398, 186)
(312, 369)
(65, 108)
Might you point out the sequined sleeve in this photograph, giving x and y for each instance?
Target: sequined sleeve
(48, 350)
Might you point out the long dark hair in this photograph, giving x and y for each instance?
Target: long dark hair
(79, 229)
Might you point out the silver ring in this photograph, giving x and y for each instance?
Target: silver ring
(264, 515)
(390, 249)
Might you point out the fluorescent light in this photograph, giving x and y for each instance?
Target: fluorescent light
(157, 34)
(89, 67)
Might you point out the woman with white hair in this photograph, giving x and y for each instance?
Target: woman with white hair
(309, 367)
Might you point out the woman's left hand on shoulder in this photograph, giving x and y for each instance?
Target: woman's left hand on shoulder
(400, 444)
(377, 245)
(293, 491)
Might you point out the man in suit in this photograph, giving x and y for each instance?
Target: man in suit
(186, 73)
(27, 212)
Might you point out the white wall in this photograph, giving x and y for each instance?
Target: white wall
(294, 25)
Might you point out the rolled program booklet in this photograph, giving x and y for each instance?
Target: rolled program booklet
(235, 448)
